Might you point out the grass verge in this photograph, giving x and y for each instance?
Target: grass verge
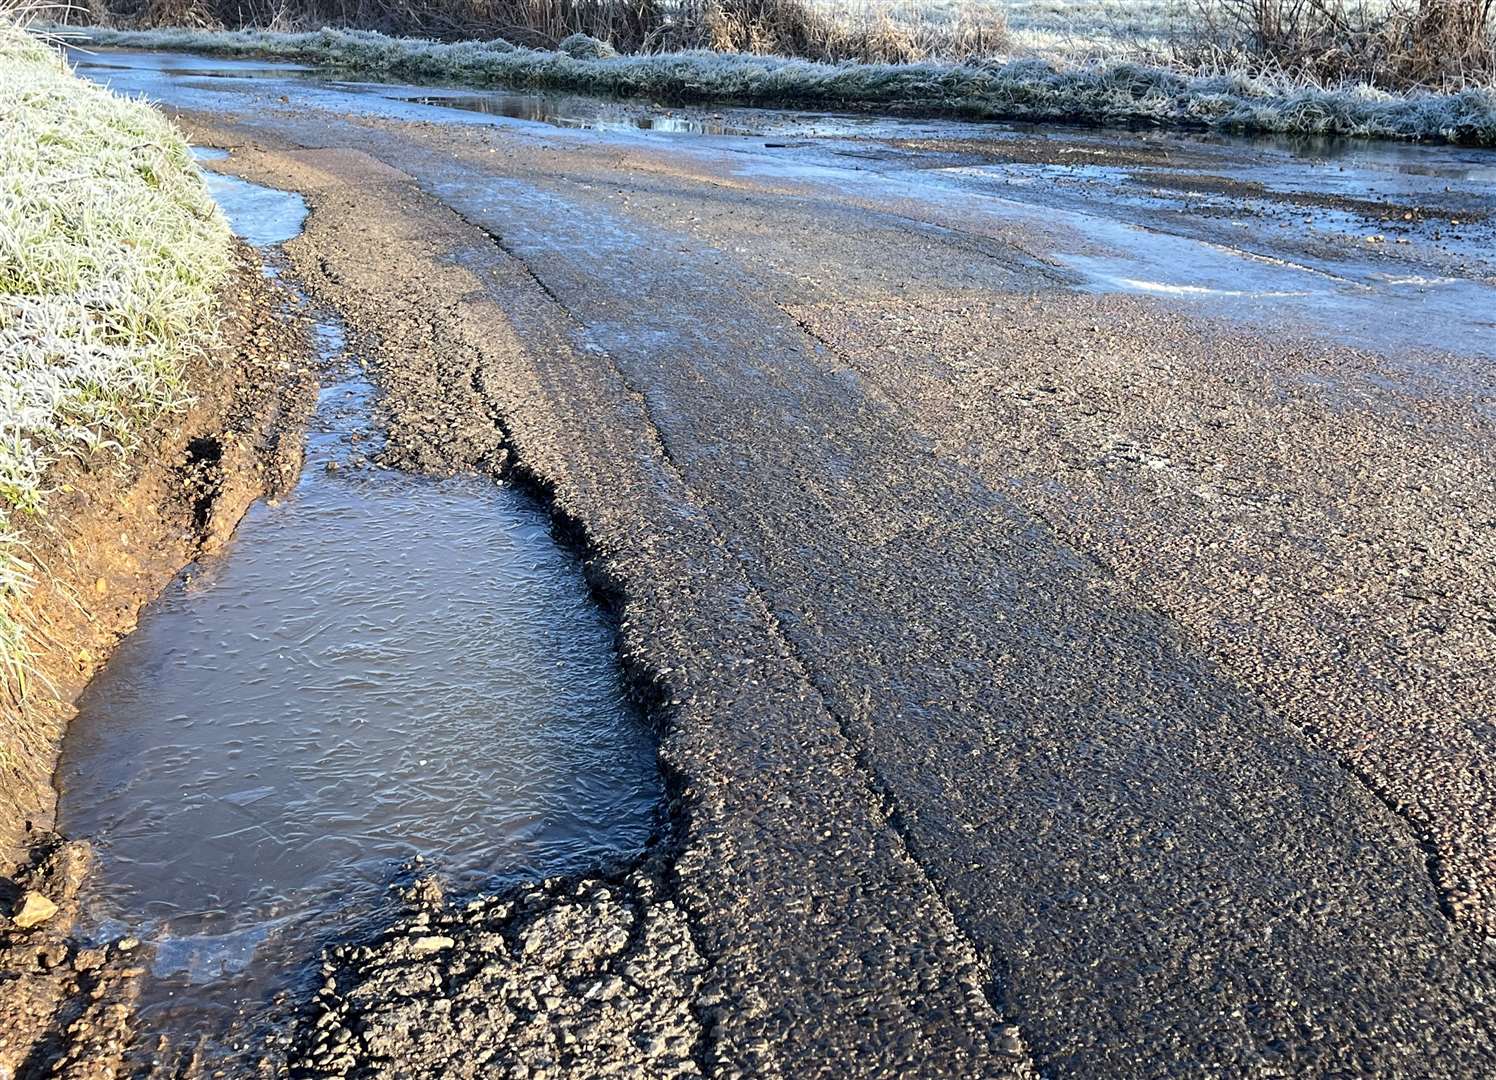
(1009, 89)
(111, 253)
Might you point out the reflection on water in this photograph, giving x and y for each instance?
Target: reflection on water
(595, 113)
(179, 63)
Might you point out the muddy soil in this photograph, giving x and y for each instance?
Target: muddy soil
(115, 533)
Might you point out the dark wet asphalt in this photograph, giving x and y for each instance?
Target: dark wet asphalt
(959, 793)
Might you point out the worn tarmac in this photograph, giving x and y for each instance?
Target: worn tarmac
(1067, 606)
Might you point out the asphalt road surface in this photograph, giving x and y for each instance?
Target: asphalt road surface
(1062, 563)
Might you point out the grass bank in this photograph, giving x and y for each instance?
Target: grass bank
(111, 254)
(1030, 89)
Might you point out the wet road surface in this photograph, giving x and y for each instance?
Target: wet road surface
(1065, 588)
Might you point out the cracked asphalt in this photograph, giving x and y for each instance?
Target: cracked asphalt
(1066, 597)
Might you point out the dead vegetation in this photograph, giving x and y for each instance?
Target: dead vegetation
(886, 33)
(872, 34)
(1389, 44)
(1394, 44)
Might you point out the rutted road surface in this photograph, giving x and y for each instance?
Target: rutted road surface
(1054, 678)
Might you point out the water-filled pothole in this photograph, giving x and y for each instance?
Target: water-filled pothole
(378, 667)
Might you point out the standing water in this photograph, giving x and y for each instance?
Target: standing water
(377, 668)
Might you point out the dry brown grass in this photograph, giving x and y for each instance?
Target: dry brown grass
(1446, 44)
(892, 32)
(870, 34)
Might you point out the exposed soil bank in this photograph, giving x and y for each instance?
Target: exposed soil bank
(114, 536)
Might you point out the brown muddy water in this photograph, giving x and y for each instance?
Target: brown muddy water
(380, 670)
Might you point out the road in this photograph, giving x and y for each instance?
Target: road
(1061, 564)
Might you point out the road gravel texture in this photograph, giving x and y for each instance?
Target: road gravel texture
(1061, 671)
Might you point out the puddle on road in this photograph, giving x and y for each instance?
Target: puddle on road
(262, 216)
(144, 72)
(181, 63)
(207, 83)
(380, 667)
(593, 113)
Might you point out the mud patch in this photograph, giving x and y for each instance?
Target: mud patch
(202, 478)
(1027, 148)
(1386, 211)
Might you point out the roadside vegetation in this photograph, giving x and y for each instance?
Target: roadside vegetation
(1219, 92)
(1392, 44)
(1396, 44)
(111, 253)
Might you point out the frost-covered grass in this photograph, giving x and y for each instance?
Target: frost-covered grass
(111, 252)
(1054, 29)
(1108, 92)
(1137, 17)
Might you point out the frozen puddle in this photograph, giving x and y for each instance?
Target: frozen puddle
(261, 215)
(379, 667)
(576, 112)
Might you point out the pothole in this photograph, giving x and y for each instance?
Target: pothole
(378, 670)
